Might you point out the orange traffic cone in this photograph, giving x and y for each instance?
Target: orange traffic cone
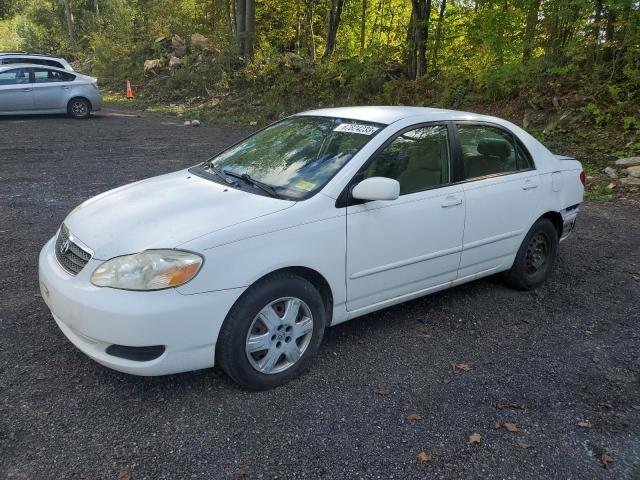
(129, 91)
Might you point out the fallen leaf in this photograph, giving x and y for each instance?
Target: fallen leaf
(240, 473)
(497, 426)
(382, 391)
(611, 186)
(461, 367)
(606, 460)
(584, 424)
(424, 329)
(414, 416)
(523, 445)
(512, 427)
(595, 360)
(440, 445)
(423, 457)
(514, 405)
(123, 474)
(474, 439)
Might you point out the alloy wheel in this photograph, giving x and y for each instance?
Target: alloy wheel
(279, 335)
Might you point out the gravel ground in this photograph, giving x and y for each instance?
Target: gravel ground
(566, 353)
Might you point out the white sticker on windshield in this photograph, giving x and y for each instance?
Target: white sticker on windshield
(356, 128)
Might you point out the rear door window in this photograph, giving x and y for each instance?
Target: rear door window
(43, 75)
(486, 150)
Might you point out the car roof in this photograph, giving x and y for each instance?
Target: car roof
(35, 65)
(31, 54)
(390, 114)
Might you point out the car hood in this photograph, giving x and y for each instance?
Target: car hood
(163, 212)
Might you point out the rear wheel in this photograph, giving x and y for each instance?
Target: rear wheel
(272, 332)
(535, 257)
(79, 108)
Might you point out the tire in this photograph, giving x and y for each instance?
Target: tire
(245, 331)
(535, 257)
(79, 108)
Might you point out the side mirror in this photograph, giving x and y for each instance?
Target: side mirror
(376, 188)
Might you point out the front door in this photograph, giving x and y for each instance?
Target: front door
(16, 93)
(413, 243)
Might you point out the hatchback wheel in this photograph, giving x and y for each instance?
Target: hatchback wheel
(272, 332)
(535, 257)
(79, 108)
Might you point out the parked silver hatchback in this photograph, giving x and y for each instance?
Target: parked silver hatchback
(36, 89)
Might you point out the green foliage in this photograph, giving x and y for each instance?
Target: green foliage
(600, 115)
(629, 122)
(502, 81)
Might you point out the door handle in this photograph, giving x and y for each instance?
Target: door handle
(65, 87)
(451, 202)
(26, 89)
(529, 184)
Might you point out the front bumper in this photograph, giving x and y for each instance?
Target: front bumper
(94, 318)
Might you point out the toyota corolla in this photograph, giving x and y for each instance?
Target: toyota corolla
(243, 260)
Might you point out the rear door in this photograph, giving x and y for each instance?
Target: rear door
(16, 92)
(501, 187)
(51, 88)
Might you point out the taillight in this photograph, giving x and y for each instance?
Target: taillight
(583, 178)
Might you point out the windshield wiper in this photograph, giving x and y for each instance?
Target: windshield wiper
(213, 168)
(247, 178)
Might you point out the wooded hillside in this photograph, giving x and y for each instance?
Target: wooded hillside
(548, 64)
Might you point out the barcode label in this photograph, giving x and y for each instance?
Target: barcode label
(356, 128)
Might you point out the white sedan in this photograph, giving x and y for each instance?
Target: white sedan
(327, 215)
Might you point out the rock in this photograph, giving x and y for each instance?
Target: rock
(174, 62)
(195, 123)
(253, 123)
(177, 42)
(199, 42)
(634, 171)
(628, 162)
(294, 61)
(630, 181)
(611, 186)
(611, 172)
(152, 64)
(187, 123)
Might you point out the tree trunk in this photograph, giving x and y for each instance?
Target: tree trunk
(71, 24)
(363, 27)
(241, 15)
(530, 29)
(96, 9)
(335, 12)
(438, 42)
(245, 31)
(312, 37)
(418, 36)
(250, 29)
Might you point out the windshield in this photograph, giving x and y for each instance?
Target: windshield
(298, 155)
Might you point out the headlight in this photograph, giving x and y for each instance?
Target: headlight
(149, 270)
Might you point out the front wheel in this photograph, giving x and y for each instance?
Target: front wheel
(79, 108)
(535, 257)
(272, 332)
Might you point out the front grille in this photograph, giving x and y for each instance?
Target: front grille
(71, 256)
